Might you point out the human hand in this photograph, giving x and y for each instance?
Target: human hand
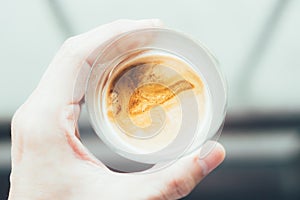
(48, 159)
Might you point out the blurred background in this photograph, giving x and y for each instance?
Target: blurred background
(256, 42)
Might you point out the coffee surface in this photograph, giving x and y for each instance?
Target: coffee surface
(145, 95)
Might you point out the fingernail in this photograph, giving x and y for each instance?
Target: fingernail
(212, 160)
(203, 167)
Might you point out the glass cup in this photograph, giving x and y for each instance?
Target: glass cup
(155, 95)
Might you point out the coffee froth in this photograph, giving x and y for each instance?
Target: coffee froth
(145, 96)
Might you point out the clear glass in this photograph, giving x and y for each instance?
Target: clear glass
(155, 95)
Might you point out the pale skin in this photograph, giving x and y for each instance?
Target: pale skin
(48, 159)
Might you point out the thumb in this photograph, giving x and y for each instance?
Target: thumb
(181, 178)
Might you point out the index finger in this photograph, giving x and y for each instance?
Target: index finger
(72, 62)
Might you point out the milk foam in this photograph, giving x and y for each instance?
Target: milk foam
(167, 118)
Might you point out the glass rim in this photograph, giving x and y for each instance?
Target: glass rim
(211, 57)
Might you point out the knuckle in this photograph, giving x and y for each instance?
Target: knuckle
(27, 118)
(71, 46)
(70, 41)
(39, 114)
(30, 129)
(68, 44)
(180, 187)
(20, 118)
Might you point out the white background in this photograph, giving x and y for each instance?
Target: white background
(31, 33)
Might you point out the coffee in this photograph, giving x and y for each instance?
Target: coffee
(145, 98)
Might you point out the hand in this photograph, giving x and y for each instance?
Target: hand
(48, 159)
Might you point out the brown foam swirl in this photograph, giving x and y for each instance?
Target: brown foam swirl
(142, 83)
